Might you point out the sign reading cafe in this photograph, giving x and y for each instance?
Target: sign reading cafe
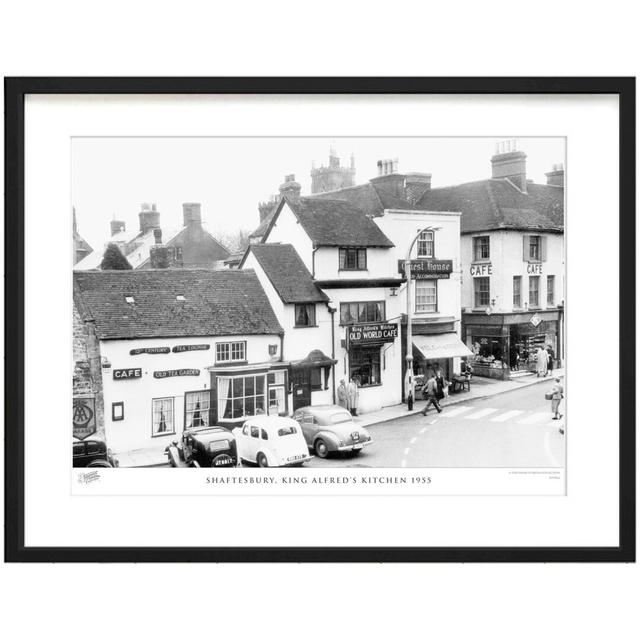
(372, 333)
(429, 269)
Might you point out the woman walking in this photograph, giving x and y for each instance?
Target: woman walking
(557, 393)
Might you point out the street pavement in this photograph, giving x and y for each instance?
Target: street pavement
(512, 429)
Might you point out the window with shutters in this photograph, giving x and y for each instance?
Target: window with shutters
(534, 248)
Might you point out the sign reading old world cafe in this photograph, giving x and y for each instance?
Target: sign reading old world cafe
(371, 334)
(428, 269)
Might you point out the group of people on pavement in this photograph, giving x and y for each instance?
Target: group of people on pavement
(348, 396)
(544, 361)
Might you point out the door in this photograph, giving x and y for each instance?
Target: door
(301, 383)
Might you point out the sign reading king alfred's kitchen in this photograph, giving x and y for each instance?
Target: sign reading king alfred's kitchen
(428, 269)
(364, 334)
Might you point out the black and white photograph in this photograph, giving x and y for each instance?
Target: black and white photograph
(366, 302)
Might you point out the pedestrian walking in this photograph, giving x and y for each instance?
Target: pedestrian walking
(352, 397)
(551, 356)
(342, 394)
(542, 361)
(432, 399)
(440, 385)
(557, 394)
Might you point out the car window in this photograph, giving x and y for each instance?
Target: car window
(309, 419)
(342, 416)
(287, 431)
(245, 430)
(78, 449)
(94, 447)
(255, 432)
(263, 434)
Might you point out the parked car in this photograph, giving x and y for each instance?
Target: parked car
(329, 428)
(92, 452)
(271, 441)
(204, 447)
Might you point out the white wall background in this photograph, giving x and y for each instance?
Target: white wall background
(449, 602)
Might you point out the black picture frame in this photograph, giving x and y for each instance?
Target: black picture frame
(15, 91)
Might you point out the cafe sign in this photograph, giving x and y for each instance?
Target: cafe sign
(371, 334)
(428, 269)
(127, 374)
(171, 373)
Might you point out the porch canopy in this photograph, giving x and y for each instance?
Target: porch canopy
(441, 345)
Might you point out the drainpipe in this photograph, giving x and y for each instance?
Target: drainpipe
(332, 310)
(313, 262)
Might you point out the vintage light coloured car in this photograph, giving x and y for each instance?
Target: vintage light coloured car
(329, 428)
(271, 441)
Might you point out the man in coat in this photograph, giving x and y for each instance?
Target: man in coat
(342, 394)
(352, 397)
(432, 395)
(542, 362)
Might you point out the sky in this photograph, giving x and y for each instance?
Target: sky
(112, 177)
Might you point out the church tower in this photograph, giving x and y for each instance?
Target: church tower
(334, 176)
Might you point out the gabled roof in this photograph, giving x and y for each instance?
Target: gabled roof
(497, 204)
(333, 223)
(217, 303)
(287, 273)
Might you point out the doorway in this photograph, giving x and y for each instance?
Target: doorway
(301, 384)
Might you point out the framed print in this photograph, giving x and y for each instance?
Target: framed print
(391, 318)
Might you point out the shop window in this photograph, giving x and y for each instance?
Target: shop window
(551, 293)
(534, 291)
(482, 293)
(481, 248)
(354, 312)
(240, 396)
(352, 259)
(305, 315)
(426, 245)
(196, 409)
(488, 349)
(231, 351)
(426, 296)
(162, 417)
(364, 366)
(517, 292)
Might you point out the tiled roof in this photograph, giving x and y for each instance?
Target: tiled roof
(287, 273)
(217, 303)
(497, 204)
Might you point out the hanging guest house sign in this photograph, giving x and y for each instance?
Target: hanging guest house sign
(429, 269)
(371, 334)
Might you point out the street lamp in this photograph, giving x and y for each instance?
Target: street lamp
(407, 272)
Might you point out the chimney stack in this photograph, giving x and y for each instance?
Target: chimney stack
(555, 177)
(117, 226)
(191, 214)
(290, 188)
(265, 208)
(388, 177)
(149, 218)
(416, 185)
(510, 163)
(157, 235)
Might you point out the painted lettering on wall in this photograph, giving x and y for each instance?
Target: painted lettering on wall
(481, 270)
(190, 347)
(127, 374)
(137, 352)
(534, 268)
(171, 373)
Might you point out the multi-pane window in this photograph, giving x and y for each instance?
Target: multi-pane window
(551, 293)
(482, 293)
(305, 315)
(353, 258)
(196, 409)
(426, 296)
(277, 403)
(534, 291)
(231, 351)
(534, 248)
(355, 312)
(481, 248)
(426, 245)
(517, 292)
(364, 366)
(240, 396)
(162, 417)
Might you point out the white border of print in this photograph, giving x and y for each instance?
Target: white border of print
(586, 516)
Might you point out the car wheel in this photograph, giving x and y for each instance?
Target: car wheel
(356, 452)
(262, 460)
(321, 448)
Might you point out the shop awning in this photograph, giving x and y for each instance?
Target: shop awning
(315, 359)
(441, 345)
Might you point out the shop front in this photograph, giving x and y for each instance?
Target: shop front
(438, 352)
(505, 344)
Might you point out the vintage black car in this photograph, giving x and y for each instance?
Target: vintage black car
(204, 447)
(92, 452)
